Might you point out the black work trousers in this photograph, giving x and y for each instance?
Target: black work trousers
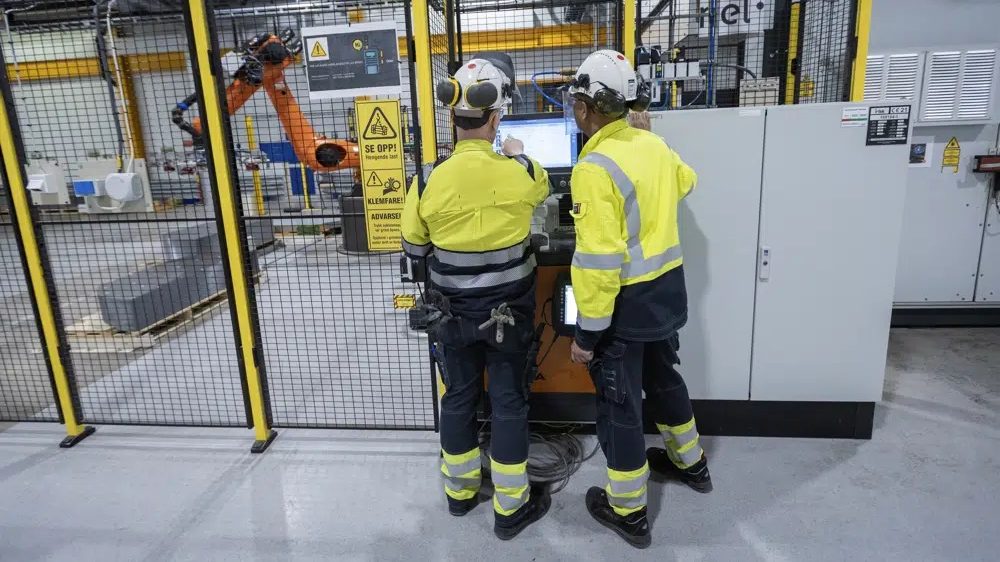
(622, 370)
(464, 361)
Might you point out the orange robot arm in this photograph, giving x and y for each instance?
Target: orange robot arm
(316, 151)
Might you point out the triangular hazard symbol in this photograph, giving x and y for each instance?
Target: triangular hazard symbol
(374, 180)
(317, 50)
(378, 127)
(953, 143)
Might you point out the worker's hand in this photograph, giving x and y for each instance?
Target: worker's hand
(578, 355)
(512, 146)
(639, 119)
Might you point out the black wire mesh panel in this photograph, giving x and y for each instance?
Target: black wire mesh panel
(25, 387)
(827, 50)
(337, 352)
(444, 55)
(547, 41)
(745, 53)
(126, 216)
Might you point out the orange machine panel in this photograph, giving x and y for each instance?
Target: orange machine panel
(557, 372)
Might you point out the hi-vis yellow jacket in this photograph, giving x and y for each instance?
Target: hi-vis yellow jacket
(627, 266)
(473, 223)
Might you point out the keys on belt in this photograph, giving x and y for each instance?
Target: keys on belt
(499, 317)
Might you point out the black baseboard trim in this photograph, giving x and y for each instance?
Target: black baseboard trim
(836, 420)
(967, 317)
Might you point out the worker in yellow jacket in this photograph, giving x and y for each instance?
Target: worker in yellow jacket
(629, 286)
(472, 224)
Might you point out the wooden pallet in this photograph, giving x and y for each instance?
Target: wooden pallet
(93, 335)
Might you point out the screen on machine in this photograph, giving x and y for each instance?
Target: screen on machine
(569, 311)
(545, 140)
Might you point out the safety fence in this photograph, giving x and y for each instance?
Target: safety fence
(745, 53)
(202, 225)
(236, 268)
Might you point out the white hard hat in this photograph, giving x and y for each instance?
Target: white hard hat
(477, 86)
(608, 78)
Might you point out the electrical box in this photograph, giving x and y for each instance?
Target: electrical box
(758, 92)
(88, 188)
(39, 183)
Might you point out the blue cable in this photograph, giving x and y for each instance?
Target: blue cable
(549, 98)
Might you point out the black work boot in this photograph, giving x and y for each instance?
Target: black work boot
(459, 508)
(634, 527)
(696, 477)
(507, 527)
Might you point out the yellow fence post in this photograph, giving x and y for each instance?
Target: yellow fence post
(791, 70)
(628, 30)
(220, 158)
(425, 82)
(12, 154)
(861, 37)
(258, 189)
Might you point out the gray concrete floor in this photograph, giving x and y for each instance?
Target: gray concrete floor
(924, 488)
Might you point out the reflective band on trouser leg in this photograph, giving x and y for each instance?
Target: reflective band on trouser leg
(462, 474)
(510, 486)
(627, 490)
(683, 443)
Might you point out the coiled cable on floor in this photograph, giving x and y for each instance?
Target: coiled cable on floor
(553, 458)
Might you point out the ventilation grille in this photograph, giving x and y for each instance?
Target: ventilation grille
(977, 85)
(892, 77)
(874, 78)
(942, 86)
(901, 80)
(960, 85)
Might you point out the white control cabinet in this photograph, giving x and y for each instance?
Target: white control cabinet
(790, 246)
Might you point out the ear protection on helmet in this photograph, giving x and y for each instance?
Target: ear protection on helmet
(612, 102)
(607, 101)
(449, 91)
(643, 97)
(478, 96)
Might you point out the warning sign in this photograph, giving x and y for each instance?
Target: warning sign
(382, 171)
(319, 49)
(952, 155)
(345, 61)
(378, 127)
(404, 301)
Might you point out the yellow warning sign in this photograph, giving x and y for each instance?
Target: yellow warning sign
(358, 44)
(382, 170)
(317, 51)
(378, 127)
(952, 155)
(404, 301)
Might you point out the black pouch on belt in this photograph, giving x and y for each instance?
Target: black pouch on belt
(608, 372)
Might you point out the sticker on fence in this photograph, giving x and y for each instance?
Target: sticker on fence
(382, 169)
(404, 301)
(352, 60)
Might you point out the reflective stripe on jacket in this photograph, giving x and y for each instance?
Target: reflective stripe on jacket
(626, 188)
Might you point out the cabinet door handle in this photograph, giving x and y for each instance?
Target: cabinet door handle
(764, 263)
